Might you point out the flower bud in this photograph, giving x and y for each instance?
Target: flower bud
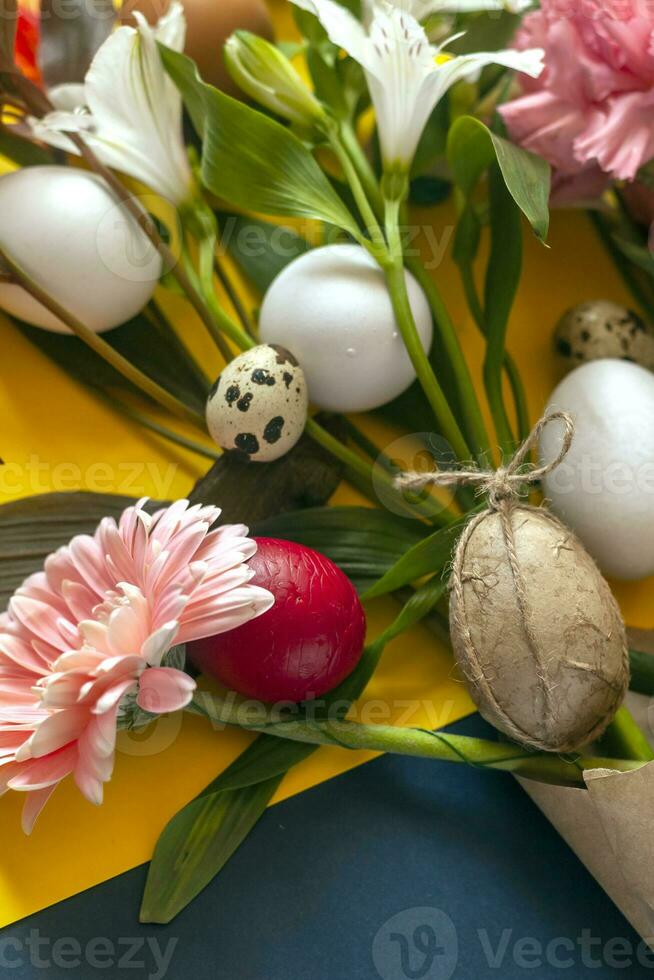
(267, 76)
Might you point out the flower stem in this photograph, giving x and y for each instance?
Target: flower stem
(145, 222)
(510, 367)
(416, 742)
(160, 430)
(395, 278)
(234, 298)
(473, 419)
(373, 227)
(363, 168)
(364, 472)
(624, 738)
(101, 347)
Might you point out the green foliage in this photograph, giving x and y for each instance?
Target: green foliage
(472, 147)
(252, 161)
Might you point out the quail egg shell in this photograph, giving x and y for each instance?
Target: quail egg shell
(259, 404)
(602, 329)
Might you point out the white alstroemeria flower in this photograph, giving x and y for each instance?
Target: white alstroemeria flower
(407, 75)
(128, 109)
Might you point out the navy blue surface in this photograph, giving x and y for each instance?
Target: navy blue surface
(400, 870)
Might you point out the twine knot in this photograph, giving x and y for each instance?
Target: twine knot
(503, 484)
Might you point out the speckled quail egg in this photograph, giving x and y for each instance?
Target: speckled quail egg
(259, 404)
(602, 329)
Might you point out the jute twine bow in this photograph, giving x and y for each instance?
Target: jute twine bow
(504, 484)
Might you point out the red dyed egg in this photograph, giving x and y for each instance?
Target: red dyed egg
(305, 645)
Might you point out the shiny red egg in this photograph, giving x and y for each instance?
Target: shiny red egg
(305, 644)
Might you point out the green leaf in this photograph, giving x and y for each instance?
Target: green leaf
(153, 350)
(32, 528)
(471, 150)
(250, 160)
(504, 265)
(200, 839)
(431, 554)
(364, 542)
(260, 249)
(197, 843)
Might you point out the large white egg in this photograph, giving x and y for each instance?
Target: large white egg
(69, 233)
(332, 309)
(604, 489)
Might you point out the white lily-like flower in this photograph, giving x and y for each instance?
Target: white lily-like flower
(407, 75)
(128, 110)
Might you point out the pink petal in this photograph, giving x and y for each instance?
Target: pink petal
(164, 689)
(34, 803)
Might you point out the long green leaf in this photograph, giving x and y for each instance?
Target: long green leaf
(147, 348)
(207, 831)
(472, 148)
(32, 528)
(429, 555)
(364, 542)
(502, 280)
(249, 159)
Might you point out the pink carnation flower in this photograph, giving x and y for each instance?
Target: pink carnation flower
(94, 625)
(591, 113)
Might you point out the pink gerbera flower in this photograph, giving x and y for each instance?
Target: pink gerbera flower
(95, 625)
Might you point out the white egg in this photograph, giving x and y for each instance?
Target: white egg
(68, 232)
(331, 307)
(604, 489)
(259, 404)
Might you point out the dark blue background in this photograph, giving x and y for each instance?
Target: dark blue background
(444, 864)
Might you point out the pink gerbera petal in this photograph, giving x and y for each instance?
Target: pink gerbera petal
(95, 626)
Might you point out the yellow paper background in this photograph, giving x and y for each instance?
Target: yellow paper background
(56, 436)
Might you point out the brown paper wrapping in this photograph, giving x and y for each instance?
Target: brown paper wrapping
(609, 827)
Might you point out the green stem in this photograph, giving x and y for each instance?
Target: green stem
(222, 324)
(161, 430)
(364, 472)
(511, 368)
(395, 278)
(234, 298)
(372, 225)
(361, 440)
(363, 168)
(160, 321)
(473, 419)
(623, 265)
(624, 738)
(101, 347)
(415, 742)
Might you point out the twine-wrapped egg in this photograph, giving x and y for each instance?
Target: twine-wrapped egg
(535, 629)
(600, 329)
(259, 404)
